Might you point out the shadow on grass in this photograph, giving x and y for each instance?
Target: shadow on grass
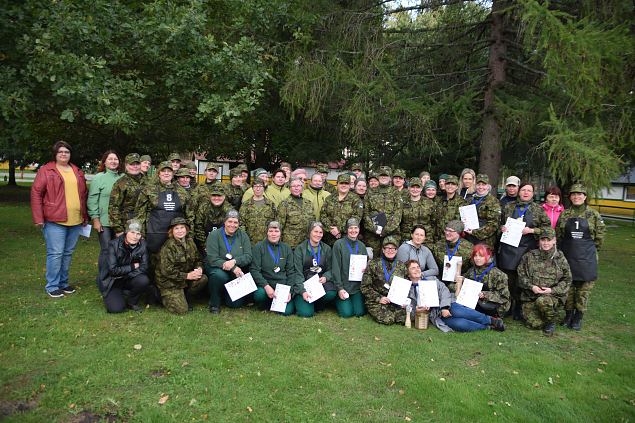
(15, 194)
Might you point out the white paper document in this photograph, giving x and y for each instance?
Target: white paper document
(281, 294)
(314, 288)
(86, 231)
(469, 216)
(428, 295)
(399, 289)
(240, 287)
(449, 267)
(514, 232)
(357, 267)
(468, 296)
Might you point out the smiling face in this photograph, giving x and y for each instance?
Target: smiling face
(414, 271)
(547, 244)
(450, 187)
(418, 236)
(451, 235)
(361, 188)
(384, 180)
(415, 191)
(577, 198)
(316, 235)
(482, 188)
(296, 188)
(165, 175)
(145, 165)
(179, 231)
(231, 225)
(217, 200)
(62, 156)
(431, 192)
(353, 232)
(390, 251)
(468, 180)
(273, 235)
(184, 181)
(398, 181)
(343, 188)
(133, 168)
(112, 162)
(211, 174)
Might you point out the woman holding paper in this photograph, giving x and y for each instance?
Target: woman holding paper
(179, 271)
(450, 251)
(447, 315)
(349, 301)
(228, 257)
(488, 210)
(313, 257)
(272, 265)
(494, 297)
(526, 211)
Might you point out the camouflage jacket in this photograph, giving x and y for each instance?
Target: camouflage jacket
(149, 198)
(489, 217)
(374, 281)
(176, 260)
(233, 195)
(383, 199)
(208, 218)
(540, 220)
(202, 192)
(440, 250)
(254, 218)
(123, 200)
(546, 269)
(495, 287)
(448, 210)
(295, 214)
(597, 228)
(336, 213)
(418, 213)
(330, 188)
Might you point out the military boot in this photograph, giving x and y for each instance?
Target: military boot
(567, 318)
(517, 311)
(576, 322)
(549, 329)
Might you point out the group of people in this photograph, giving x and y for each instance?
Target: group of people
(170, 237)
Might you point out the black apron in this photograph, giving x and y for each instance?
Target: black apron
(579, 249)
(168, 207)
(509, 256)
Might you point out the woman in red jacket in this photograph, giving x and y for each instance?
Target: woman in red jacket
(58, 205)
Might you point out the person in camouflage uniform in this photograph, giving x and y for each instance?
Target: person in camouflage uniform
(383, 199)
(417, 210)
(179, 271)
(182, 177)
(448, 204)
(193, 171)
(489, 214)
(452, 245)
(209, 216)
(581, 232)
(202, 191)
(124, 195)
(256, 213)
(234, 190)
(376, 284)
(544, 278)
(358, 170)
(146, 165)
(295, 214)
(244, 173)
(430, 198)
(338, 208)
(323, 170)
(399, 183)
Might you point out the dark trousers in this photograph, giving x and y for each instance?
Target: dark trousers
(102, 264)
(115, 301)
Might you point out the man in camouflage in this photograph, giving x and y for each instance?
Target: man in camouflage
(125, 193)
(295, 214)
(376, 283)
(544, 278)
(489, 214)
(175, 161)
(202, 191)
(323, 170)
(417, 210)
(399, 183)
(209, 215)
(256, 213)
(452, 245)
(338, 208)
(383, 199)
(449, 203)
(183, 179)
(234, 190)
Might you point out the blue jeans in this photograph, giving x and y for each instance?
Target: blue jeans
(465, 319)
(60, 244)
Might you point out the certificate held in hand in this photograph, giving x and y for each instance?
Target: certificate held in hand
(240, 287)
(468, 296)
(398, 292)
(356, 267)
(469, 216)
(428, 295)
(281, 294)
(314, 288)
(514, 232)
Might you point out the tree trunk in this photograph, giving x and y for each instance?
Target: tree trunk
(491, 143)
(11, 161)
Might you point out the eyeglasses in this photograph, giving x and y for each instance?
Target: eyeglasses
(390, 248)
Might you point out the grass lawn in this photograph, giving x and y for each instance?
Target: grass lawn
(67, 360)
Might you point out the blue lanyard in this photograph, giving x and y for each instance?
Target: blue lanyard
(351, 248)
(480, 278)
(386, 274)
(318, 253)
(276, 258)
(227, 244)
(480, 200)
(447, 249)
(521, 215)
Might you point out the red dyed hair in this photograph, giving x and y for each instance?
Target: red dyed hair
(482, 250)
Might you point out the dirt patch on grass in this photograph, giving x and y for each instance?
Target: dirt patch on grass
(9, 408)
(88, 417)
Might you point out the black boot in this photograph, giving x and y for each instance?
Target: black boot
(576, 322)
(549, 329)
(517, 311)
(567, 318)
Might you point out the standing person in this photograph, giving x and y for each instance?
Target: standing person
(338, 208)
(202, 191)
(313, 257)
(234, 189)
(452, 245)
(373, 180)
(145, 164)
(277, 192)
(552, 205)
(441, 189)
(399, 183)
(360, 188)
(316, 194)
(58, 206)
(175, 161)
(376, 284)
(358, 170)
(468, 179)
(349, 301)
(125, 194)
(425, 177)
(261, 174)
(536, 220)
(273, 263)
(511, 191)
(228, 257)
(179, 272)
(127, 270)
(98, 203)
(323, 169)
(209, 216)
(430, 198)
(257, 212)
(286, 167)
(489, 214)
(183, 179)
(381, 203)
(581, 233)
(294, 214)
(414, 249)
(544, 278)
(448, 205)
(193, 171)
(417, 210)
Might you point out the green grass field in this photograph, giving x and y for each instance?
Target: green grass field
(67, 360)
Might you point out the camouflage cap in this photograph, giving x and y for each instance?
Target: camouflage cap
(133, 225)
(174, 156)
(430, 184)
(182, 172)
(242, 167)
(190, 165)
(353, 221)
(260, 171)
(481, 177)
(548, 232)
(164, 165)
(390, 239)
(414, 182)
(274, 224)
(212, 166)
(455, 225)
(258, 181)
(216, 189)
(356, 166)
(235, 172)
(443, 176)
(179, 221)
(323, 168)
(452, 179)
(384, 171)
(232, 214)
(399, 172)
(372, 174)
(146, 158)
(578, 188)
(132, 158)
(344, 178)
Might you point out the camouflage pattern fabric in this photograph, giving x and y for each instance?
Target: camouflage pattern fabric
(123, 200)
(295, 214)
(254, 218)
(373, 288)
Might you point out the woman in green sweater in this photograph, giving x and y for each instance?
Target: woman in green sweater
(349, 301)
(272, 264)
(108, 172)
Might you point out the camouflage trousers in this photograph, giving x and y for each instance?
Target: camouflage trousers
(387, 314)
(542, 311)
(175, 299)
(578, 296)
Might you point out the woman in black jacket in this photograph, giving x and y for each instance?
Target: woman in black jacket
(127, 270)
